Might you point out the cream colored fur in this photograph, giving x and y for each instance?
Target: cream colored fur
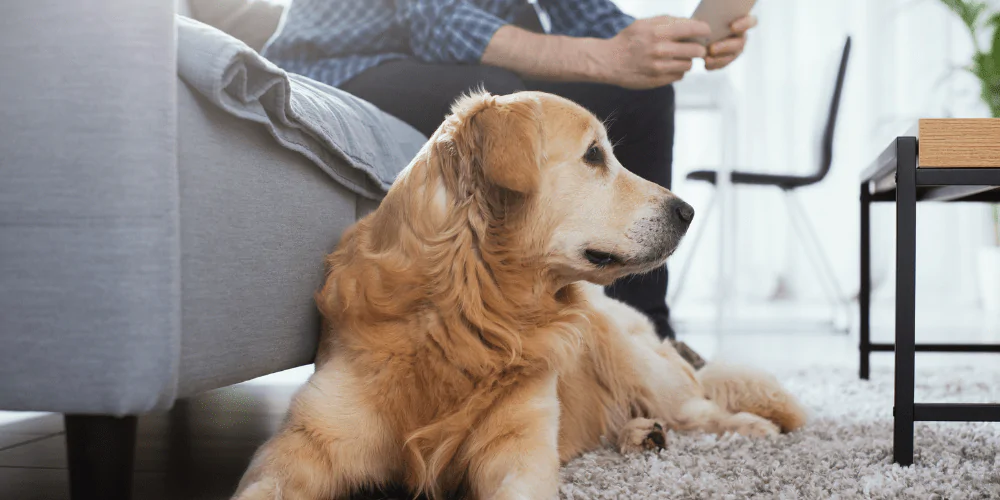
(465, 355)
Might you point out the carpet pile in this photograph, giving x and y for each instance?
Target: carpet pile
(844, 452)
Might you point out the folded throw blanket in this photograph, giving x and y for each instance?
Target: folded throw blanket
(354, 142)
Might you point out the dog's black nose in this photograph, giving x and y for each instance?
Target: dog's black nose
(684, 211)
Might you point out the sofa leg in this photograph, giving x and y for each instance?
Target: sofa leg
(101, 450)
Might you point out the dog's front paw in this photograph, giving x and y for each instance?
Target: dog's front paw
(642, 434)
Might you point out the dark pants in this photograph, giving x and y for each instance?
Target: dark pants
(640, 124)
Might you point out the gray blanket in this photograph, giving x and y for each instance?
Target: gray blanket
(354, 142)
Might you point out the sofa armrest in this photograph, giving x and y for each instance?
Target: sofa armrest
(89, 245)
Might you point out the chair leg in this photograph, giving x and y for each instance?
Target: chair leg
(824, 270)
(682, 277)
(795, 217)
(101, 450)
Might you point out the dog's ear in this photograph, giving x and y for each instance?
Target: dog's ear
(500, 137)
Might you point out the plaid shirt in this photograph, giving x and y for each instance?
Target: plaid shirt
(334, 40)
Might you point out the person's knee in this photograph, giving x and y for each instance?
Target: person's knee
(641, 115)
(497, 81)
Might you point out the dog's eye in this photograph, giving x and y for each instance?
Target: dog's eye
(594, 155)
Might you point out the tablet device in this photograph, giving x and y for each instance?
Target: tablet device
(719, 14)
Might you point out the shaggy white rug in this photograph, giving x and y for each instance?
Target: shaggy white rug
(844, 452)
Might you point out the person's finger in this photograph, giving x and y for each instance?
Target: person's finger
(672, 66)
(728, 46)
(712, 63)
(743, 24)
(669, 78)
(680, 50)
(674, 28)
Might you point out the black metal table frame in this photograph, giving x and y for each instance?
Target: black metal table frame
(901, 158)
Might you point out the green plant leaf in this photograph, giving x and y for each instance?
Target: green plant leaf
(982, 66)
(968, 10)
(995, 49)
(985, 65)
(975, 10)
(996, 223)
(989, 69)
(991, 96)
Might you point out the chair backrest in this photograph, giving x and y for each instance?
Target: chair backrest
(826, 140)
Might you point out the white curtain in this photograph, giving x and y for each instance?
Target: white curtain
(902, 68)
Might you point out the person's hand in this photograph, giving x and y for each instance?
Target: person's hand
(651, 52)
(725, 51)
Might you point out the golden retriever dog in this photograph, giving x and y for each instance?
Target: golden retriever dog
(464, 354)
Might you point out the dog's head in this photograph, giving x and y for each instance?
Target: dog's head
(541, 172)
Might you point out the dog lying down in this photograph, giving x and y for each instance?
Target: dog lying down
(467, 347)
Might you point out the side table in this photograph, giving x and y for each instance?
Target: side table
(943, 160)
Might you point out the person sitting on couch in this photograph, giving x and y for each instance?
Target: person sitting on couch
(413, 58)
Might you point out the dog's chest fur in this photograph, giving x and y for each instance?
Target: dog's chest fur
(432, 366)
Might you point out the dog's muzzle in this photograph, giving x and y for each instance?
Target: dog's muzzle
(660, 234)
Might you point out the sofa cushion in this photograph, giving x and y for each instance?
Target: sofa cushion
(357, 144)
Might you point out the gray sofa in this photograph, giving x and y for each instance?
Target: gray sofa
(151, 246)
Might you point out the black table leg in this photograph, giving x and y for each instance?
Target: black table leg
(906, 242)
(100, 451)
(865, 288)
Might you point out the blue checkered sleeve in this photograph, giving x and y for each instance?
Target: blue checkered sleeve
(596, 18)
(447, 31)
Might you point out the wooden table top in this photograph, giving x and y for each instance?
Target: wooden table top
(943, 143)
(959, 143)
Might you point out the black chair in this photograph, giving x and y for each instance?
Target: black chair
(788, 183)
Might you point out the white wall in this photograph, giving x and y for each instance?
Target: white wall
(902, 51)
